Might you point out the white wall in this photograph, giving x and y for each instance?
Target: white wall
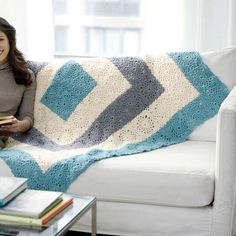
(163, 26)
(32, 16)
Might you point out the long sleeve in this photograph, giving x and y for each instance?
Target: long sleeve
(26, 108)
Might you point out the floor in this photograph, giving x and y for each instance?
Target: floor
(74, 233)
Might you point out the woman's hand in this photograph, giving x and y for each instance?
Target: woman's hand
(16, 126)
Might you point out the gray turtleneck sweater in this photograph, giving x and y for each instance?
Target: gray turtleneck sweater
(16, 99)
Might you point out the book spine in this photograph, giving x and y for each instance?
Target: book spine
(55, 213)
(20, 220)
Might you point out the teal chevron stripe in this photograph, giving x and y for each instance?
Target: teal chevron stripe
(212, 94)
(69, 87)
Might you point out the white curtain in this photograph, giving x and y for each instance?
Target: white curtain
(209, 24)
(200, 25)
(179, 25)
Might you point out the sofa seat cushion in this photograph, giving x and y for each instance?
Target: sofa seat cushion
(178, 175)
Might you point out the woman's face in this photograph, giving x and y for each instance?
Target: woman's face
(4, 48)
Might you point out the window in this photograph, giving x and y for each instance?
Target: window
(61, 42)
(113, 7)
(60, 7)
(112, 41)
(118, 27)
(97, 27)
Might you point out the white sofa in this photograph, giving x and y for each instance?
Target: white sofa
(187, 189)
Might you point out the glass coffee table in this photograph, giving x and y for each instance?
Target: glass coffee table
(61, 223)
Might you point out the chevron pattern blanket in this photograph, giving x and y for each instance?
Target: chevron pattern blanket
(91, 109)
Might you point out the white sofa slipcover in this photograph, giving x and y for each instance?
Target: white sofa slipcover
(191, 194)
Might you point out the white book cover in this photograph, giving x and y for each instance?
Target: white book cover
(32, 203)
(11, 187)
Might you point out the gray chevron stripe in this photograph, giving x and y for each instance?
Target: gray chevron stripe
(145, 89)
(36, 66)
(35, 138)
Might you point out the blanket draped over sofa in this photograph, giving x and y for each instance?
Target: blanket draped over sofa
(90, 109)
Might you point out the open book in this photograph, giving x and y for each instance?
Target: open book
(5, 120)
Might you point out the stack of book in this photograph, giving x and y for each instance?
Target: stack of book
(22, 206)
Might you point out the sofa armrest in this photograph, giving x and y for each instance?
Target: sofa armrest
(222, 222)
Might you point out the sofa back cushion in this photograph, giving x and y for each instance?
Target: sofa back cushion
(223, 64)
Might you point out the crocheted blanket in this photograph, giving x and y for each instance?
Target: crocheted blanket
(91, 109)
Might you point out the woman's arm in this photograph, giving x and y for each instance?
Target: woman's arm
(25, 119)
(25, 116)
(17, 126)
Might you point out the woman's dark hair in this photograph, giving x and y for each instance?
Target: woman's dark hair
(15, 57)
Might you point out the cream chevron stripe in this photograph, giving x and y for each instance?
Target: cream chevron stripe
(110, 84)
(178, 93)
(44, 157)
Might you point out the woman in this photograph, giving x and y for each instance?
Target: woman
(17, 85)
